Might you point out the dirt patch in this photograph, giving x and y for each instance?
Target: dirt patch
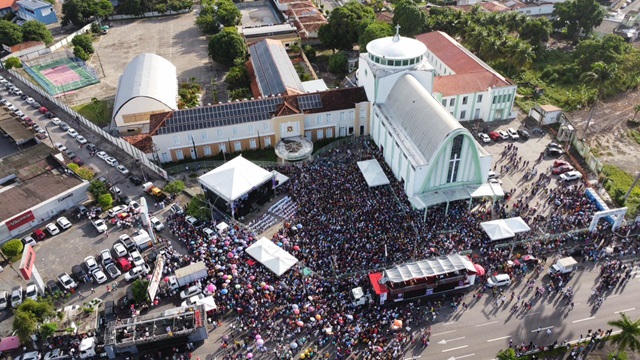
(609, 129)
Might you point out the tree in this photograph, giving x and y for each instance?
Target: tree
(629, 336)
(12, 62)
(207, 21)
(309, 52)
(228, 13)
(411, 19)
(97, 188)
(199, 208)
(78, 12)
(25, 325)
(48, 329)
(41, 309)
(131, 7)
(345, 25)
(175, 187)
(338, 63)
(227, 46)
(86, 173)
(73, 167)
(636, 110)
(508, 354)
(600, 76)
(98, 107)
(12, 247)
(80, 53)
(237, 77)
(105, 200)
(84, 41)
(139, 291)
(240, 93)
(578, 17)
(536, 31)
(10, 33)
(375, 30)
(102, 8)
(33, 30)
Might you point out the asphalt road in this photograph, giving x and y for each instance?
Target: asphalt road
(483, 330)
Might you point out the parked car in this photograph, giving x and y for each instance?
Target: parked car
(79, 273)
(113, 271)
(136, 258)
(189, 292)
(39, 235)
(513, 133)
(136, 272)
(100, 225)
(176, 209)
(495, 136)
(63, 125)
(484, 138)
(192, 221)
(72, 132)
(4, 300)
(52, 229)
(192, 300)
(135, 180)
(122, 170)
(561, 169)
(102, 155)
(28, 240)
(124, 264)
(81, 139)
(91, 147)
(99, 276)
(498, 280)
(554, 152)
(120, 250)
(116, 210)
(570, 176)
(31, 292)
(105, 257)
(16, 297)
(559, 163)
(66, 281)
(91, 263)
(503, 134)
(64, 223)
(524, 134)
(127, 242)
(60, 147)
(157, 224)
(52, 287)
(111, 161)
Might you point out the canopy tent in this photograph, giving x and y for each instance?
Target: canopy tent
(208, 302)
(222, 226)
(504, 228)
(429, 267)
(235, 178)
(272, 256)
(373, 173)
(460, 192)
(280, 178)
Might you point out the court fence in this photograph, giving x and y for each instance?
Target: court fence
(37, 66)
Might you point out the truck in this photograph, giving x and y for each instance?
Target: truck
(563, 266)
(142, 239)
(154, 191)
(359, 297)
(188, 275)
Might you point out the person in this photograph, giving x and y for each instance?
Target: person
(93, 291)
(548, 332)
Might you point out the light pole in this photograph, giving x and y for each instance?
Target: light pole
(46, 128)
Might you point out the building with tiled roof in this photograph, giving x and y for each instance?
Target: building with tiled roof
(258, 123)
(6, 6)
(465, 85)
(304, 15)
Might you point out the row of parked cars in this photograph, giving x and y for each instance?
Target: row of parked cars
(18, 294)
(51, 229)
(498, 135)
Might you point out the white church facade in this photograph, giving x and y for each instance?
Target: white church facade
(426, 147)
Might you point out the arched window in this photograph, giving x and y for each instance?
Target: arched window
(454, 159)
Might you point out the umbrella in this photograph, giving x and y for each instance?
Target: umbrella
(479, 269)
(258, 337)
(260, 342)
(211, 288)
(224, 291)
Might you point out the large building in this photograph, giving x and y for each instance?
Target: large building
(147, 86)
(272, 71)
(35, 186)
(427, 149)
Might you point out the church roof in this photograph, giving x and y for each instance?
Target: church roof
(396, 47)
(426, 123)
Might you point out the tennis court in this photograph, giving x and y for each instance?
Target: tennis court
(60, 72)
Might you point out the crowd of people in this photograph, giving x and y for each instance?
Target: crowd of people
(343, 230)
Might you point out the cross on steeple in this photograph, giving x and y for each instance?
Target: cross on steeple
(396, 37)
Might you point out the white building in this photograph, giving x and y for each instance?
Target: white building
(465, 85)
(147, 86)
(427, 149)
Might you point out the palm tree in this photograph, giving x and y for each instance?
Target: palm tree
(629, 335)
(600, 75)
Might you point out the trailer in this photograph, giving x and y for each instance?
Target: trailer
(188, 275)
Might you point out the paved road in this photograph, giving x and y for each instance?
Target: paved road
(481, 331)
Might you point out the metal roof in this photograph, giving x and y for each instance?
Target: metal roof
(430, 267)
(274, 71)
(34, 4)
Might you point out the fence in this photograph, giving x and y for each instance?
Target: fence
(594, 164)
(211, 164)
(128, 148)
(334, 145)
(58, 45)
(148, 14)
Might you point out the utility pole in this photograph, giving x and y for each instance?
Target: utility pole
(100, 62)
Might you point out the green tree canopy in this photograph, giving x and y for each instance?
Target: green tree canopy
(375, 30)
(41, 309)
(85, 41)
(12, 62)
(10, 33)
(198, 208)
(139, 291)
(629, 338)
(131, 7)
(536, 31)
(12, 247)
(80, 53)
(174, 187)
(411, 19)
(338, 63)
(345, 25)
(227, 46)
(78, 12)
(608, 49)
(207, 21)
(25, 324)
(578, 17)
(228, 13)
(97, 188)
(237, 77)
(33, 30)
(105, 200)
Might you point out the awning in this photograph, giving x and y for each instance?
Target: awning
(272, 256)
(373, 173)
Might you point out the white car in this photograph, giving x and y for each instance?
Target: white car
(72, 132)
(189, 292)
(56, 121)
(116, 190)
(136, 272)
(81, 139)
(570, 176)
(28, 240)
(113, 271)
(100, 225)
(192, 300)
(29, 100)
(64, 223)
(102, 155)
(484, 138)
(134, 206)
(191, 220)
(52, 229)
(66, 281)
(123, 170)
(91, 263)
(19, 113)
(498, 280)
(111, 161)
(120, 250)
(60, 147)
(513, 134)
(34, 355)
(116, 210)
(105, 256)
(31, 291)
(503, 134)
(136, 258)
(11, 107)
(157, 224)
(99, 276)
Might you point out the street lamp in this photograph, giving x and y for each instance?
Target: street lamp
(46, 128)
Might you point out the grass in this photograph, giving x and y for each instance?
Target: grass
(634, 135)
(617, 184)
(98, 113)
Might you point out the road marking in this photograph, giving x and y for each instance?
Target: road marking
(489, 323)
(442, 333)
(449, 323)
(500, 338)
(544, 328)
(456, 348)
(585, 319)
(533, 313)
(625, 310)
(443, 341)
(460, 357)
(610, 296)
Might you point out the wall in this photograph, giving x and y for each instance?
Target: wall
(148, 14)
(122, 144)
(138, 105)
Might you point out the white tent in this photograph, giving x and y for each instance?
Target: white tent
(504, 228)
(208, 302)
(272, 256)
(235, 178)
(373, 173)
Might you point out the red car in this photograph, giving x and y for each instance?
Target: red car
(78, 161)
(495, 136)
(39, 234)
(558, 163)
(124, 264)
(29, 122)
(561, 169)
(43, 110)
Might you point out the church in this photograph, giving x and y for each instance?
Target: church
(429, 151)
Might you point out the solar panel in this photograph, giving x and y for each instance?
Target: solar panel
(308, 102)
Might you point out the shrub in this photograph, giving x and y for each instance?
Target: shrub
(105, 200)
(12, 62)
(86, 173)
(80, 53)
(12, 247)
(73, 167)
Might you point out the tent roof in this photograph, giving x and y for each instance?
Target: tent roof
(272, 256)
(461, 192)
(208, 302)
(429, 267)
(373, 173)
(235, 178)
(504, 228)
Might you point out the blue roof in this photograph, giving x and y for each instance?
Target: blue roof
(274, 71)
(34, 4)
